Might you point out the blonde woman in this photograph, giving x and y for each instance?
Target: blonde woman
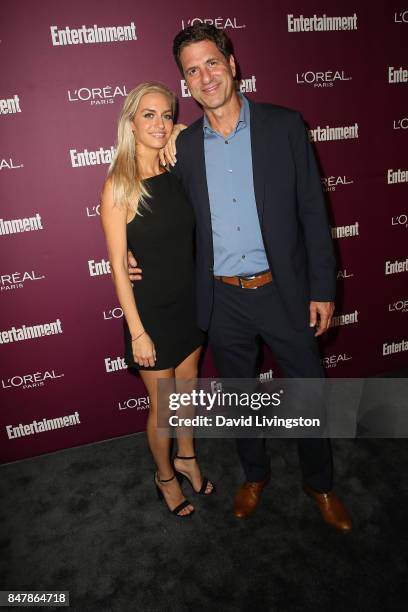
(143, 208)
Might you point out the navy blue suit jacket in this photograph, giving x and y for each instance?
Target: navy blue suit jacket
(291, 210)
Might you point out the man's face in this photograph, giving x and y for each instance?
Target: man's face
(209, 75)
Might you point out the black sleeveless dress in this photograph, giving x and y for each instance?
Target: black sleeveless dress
(162, 241)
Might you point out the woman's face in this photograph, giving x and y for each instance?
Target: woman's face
(153, 121)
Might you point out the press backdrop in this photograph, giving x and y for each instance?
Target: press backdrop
(344, 65)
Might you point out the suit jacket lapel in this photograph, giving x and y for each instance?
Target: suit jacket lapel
(201, 201)
(258, 146)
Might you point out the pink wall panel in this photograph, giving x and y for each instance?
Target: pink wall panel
(68, 100)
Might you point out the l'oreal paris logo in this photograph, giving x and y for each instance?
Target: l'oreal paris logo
(97, 95)
(222, 23)
(401, 17)
(322, 79)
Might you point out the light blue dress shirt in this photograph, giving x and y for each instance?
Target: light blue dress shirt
(237, 238)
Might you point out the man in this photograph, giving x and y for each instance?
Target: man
(265, 263)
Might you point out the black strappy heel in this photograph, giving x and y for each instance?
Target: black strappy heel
(204, 482)
(160, 495)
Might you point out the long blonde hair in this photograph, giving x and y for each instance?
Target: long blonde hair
(128, 187)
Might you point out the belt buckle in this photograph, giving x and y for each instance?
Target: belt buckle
(246, 278)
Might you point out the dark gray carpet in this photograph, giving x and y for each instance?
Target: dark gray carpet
(87, 520)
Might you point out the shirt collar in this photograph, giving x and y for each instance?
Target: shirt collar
(243, 120)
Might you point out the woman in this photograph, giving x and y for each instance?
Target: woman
(144, 208)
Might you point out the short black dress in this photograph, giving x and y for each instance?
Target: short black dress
(162, 241)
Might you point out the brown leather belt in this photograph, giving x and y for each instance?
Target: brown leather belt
(247, 282)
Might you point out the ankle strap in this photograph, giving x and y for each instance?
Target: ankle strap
(178, 457)
(167, 480)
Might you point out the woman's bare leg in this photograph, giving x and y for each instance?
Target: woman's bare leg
(187, 370)
(160, 444)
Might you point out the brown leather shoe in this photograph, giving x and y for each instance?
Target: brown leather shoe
(247, 497)
(331, 508)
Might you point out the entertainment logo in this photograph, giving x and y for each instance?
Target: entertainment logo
(397, 176)
(114, 364)
(345, 231)
(98, 268)
(22, 224)
(397, 75)
(397, 266)
(327, 133)
(91, 158)
(321, 23)
(247, 85)
(10, 106)
(91, 35)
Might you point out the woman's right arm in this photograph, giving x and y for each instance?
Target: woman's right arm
(168, 153)
(114, 226)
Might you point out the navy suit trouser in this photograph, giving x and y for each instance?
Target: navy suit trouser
(239, 318)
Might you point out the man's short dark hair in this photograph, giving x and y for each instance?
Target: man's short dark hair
(197, 33)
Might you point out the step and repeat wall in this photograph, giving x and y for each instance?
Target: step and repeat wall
(65, 69)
